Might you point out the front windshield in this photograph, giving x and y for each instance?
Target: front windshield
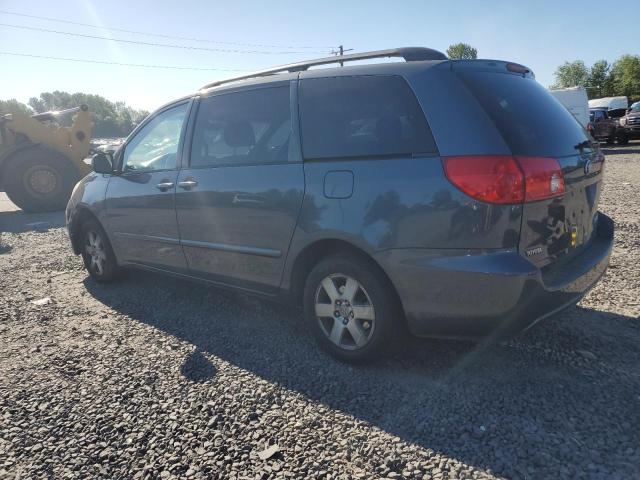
(635, 108)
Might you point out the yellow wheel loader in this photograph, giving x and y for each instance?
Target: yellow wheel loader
(40, 161)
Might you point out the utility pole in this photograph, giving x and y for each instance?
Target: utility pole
(340, 52)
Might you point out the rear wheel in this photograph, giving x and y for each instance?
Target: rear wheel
(351, 308)
(97, 254)
(40, 180)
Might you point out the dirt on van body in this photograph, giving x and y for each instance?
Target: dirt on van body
(157, 378)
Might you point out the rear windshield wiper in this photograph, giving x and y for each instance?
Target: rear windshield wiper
(582, 145)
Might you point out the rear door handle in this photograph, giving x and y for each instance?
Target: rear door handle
(188, 184)
(164, 185)
(247, 198)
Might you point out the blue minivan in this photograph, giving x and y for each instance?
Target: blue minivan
(447, 198)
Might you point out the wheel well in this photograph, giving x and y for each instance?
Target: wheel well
(312, 254)
(82, 216)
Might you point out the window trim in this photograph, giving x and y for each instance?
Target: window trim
(292, 84)
(120, 160)
(382, 156)
(375, 156)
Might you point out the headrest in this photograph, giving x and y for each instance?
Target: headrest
(239, 134)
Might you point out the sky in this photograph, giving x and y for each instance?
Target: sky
(539, 34)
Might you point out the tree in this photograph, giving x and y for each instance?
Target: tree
(599, 81)
(13, 105)
(571, 74)
(462, 51)
(603, 79)
(109, 119)
(625, 75)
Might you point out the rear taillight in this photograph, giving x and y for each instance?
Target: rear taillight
(504, 179)
(543, 178)
(493, 179)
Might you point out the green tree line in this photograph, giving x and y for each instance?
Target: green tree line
(602, 79)
(462, 51)
(110, 119)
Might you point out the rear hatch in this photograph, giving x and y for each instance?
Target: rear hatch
(536, 127)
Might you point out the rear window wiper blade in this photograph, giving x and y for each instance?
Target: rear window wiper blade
(582, 145)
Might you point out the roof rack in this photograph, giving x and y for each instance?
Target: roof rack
(410, 54)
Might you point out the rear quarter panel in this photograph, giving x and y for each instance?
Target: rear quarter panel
(399, 203)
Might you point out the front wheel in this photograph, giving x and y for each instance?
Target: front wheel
(97, 254)
(351, 308)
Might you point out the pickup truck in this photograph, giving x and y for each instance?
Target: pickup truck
(602, 126)
(629, 128)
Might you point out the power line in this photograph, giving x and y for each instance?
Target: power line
(151, 44)
(82, 60)
(159, 35)
(340, 52)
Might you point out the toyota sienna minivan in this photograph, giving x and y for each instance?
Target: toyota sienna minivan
(450, 198)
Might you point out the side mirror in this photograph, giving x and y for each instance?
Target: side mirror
(102, 163)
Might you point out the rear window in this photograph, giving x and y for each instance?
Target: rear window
(530, 119)
(361, 117)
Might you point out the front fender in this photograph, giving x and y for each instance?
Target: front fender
(87, 200)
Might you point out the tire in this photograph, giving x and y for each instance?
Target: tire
(623, 139)
(376, 319)
(40, 180)
(97, 254)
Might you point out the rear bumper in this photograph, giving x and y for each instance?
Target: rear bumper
(449, 293)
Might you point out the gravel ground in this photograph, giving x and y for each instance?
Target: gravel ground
(152, 378)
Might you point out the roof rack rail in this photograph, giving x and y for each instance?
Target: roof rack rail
(410, 54)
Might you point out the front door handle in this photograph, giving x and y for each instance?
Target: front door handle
(188, 184)
(164, 185)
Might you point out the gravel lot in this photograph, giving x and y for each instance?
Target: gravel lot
(152, 378)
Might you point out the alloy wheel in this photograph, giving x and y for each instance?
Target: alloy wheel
(95, 248)
(345, 311)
